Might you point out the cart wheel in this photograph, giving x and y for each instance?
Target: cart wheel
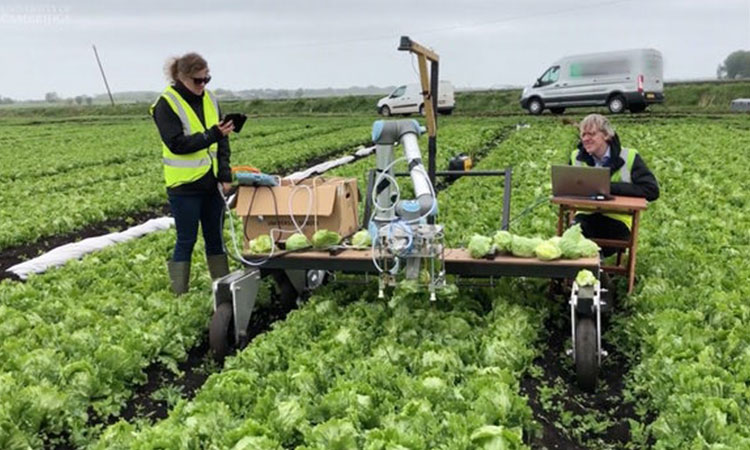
(587, 362)
(220, 331)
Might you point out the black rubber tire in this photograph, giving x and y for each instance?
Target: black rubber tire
(421, 110)
(385, 111)
(635, 109)
(587, 362)
(616, 104)
(220, 331)
(535, 106)
(558, 110)
(446, 112)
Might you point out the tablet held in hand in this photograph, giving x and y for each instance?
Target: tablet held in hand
(237, 118)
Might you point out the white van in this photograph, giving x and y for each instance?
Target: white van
(630, 79)
(407, 99)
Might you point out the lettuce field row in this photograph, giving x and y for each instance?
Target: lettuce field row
(349, 371)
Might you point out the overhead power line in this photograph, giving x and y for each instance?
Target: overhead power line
(390, 37)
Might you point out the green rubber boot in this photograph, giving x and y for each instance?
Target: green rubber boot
(179, 275)
(218, 265)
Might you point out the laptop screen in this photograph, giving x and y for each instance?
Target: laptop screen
(580, 181)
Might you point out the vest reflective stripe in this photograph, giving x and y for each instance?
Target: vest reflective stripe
(187, 163)
(180, 110)
(215, 103)
(185, 168)
(623, 175)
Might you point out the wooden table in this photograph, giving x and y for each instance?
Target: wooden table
(457, 262)
(618, 204)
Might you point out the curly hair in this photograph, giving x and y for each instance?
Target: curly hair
(187, 65)
(597, 122)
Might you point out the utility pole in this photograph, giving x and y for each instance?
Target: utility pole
(112, 100)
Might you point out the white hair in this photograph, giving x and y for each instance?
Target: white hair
(598, 122)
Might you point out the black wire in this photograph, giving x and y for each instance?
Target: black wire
(278, 217)
(247, 214)
(538, 201)
(441, 30)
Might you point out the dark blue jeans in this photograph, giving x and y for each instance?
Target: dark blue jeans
(188, 211)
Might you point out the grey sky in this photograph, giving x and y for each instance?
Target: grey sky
(46, 46)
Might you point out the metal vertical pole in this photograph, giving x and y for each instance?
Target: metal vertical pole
(101, 69)
(429, 93)
(432, 140)
(505, 223)
(368, 199)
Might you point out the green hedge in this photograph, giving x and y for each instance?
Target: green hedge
(680, 97)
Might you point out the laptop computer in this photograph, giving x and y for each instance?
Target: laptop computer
(581, 181)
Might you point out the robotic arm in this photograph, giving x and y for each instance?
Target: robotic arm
(397, 228)
(385, 135)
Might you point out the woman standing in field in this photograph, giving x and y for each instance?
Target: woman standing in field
(195, 155)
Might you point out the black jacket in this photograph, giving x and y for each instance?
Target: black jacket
(172, 134)
(643, 183)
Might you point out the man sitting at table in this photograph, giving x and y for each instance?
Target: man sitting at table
(600, 147)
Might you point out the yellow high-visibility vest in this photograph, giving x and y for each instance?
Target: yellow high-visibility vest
(623, 174)
(185, 168)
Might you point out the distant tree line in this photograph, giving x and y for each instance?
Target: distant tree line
(53, 97)
(735, 66)
(272, 94)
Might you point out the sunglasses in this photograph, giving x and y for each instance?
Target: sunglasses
(201, 80)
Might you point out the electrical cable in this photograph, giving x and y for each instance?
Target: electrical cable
(432, 193)
(391, 179)
(296, 189)
(446, 29)
(237, 256)
(416, 72)
(538, 201)
(312, 198)
(274, 233)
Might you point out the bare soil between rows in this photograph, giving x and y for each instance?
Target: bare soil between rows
(195, 371)
(18, 254)
(607, 402)
(142, 403)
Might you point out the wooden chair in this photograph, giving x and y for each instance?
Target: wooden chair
(626, 250)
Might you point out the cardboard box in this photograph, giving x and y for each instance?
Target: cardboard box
(332, 201)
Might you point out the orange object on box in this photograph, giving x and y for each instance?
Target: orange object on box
(332, 203)
(251, 169)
